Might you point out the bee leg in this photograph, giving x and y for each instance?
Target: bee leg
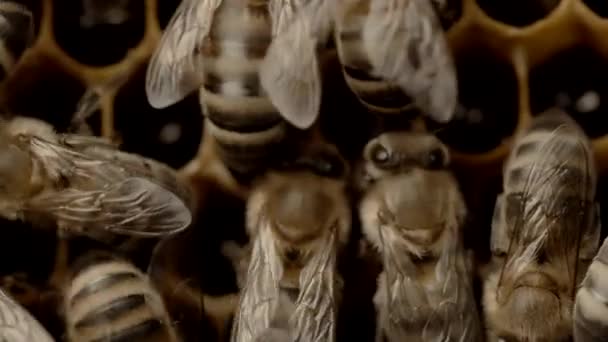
(238, 256)
(60, 269)
(220, 310)
(590, 240)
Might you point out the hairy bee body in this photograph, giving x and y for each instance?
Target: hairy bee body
(111, 300)
(545, 231)
(590, 314)
(298, 222)
(17, 34)
(18, 325)
(424, 293)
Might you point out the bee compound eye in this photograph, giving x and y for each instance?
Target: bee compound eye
(379, 154)
(436, 158)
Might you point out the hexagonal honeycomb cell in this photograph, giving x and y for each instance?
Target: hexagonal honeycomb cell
(514, 60)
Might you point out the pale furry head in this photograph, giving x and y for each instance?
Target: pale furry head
(400, 151)
(300, 203)
(417, 200)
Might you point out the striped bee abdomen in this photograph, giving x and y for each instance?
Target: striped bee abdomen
(554, 147)
(246, 126)
(377, 95)
(109, 299)
(16, 34)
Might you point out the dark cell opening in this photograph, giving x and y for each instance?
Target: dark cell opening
(30, 250)
(344, 121)
(518, 12)
(574, 80)
(98, 32)
(448, 11)
(171, 135)
(43, 90)
(165, 11)
(600, 7)
(19, 31)
(488, 104)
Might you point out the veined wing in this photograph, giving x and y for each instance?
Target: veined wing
(290, 71)
(18, 325)
(260, 296)
(176, 67)
(406, 45)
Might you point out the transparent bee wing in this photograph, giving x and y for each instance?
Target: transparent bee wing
(81, 142)
(555, 195)
(290, 70)
(176, 67)
(134, 206)
(93, 162)
(456, 314)
(406, 45)
(314, 318)
(18, 325)
(401, 295)
(260, 296)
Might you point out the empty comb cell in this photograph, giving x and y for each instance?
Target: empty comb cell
(43, 90)
(599, 7)
(488, 104)
(518, 12)
(147, 131)
(98, 32)
(574, 80)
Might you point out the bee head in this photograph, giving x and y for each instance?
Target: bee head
(300, 212)
(397, 152)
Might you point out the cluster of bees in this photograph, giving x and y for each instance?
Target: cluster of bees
(309, 209)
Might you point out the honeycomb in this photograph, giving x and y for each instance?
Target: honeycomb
(514, 60)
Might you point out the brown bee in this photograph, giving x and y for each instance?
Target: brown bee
(85, 185)
(298, 221)
(216, 47)
(545, 231)
(414, 220)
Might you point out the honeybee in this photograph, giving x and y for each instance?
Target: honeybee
(85, 185)
(545, 231)
(216, 47)
(589, 306)
(298, 222)
(394, 55)
(96, 12)
(108, 298)
(18, 325)
(424, 293)
(17, 34)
